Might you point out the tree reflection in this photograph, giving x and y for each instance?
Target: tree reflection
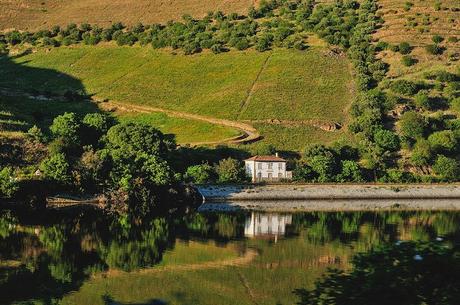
(45, 262)
(409, 273)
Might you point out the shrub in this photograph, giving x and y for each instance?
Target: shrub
(408, 61)
(350, 172)
(404, 87)
(405, 48)
(446, 168)
(443, 141)
(8, 183)
(412, 125)
(422, 100)
(455, 104)
(303, 172)
(434, 49)
(387, 140)
(230, 171)
(422, 153)
(67, 127)
(200, 174)
(56, 168)
(437, 39)
(242, 44)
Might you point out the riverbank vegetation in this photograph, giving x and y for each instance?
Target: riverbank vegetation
(264, 68)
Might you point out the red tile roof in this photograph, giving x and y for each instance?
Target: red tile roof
(266, 159)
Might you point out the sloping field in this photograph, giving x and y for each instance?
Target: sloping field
(293, 84)
(36, 14)
(283, 85)
(416, 22)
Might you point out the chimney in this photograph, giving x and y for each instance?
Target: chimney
(276, 154)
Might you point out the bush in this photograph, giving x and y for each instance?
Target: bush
(443, 141)
(350, 172)
(447, 168)
(404, 87)
(387, 140)
(422, 100)
(56, 168)
(67, 127)
(303, 172)
(434, 49)
(412, 125)
(230, 171)
(201, 174)
(421, 154)
(405, 48)
(455, 104)
(408, 61)
(437, 39)
(8, 183)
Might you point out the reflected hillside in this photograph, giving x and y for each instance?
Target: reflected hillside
(90, 258)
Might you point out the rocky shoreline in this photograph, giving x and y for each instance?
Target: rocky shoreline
(330, 197)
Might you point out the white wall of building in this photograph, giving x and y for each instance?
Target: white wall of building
(264, 170)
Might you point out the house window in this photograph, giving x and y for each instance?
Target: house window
(270, 165)
(280, 166)
(259, 165)
(259, 176)
(270, 176)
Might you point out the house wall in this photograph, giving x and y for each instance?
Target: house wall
(263, 171)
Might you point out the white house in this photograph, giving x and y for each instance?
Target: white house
(266, 225)
(267, 168)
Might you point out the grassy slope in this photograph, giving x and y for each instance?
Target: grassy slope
(396, 29)
(35, 14)
(291, 85)
(186, 131)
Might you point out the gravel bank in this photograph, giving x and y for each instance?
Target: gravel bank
(330, 197)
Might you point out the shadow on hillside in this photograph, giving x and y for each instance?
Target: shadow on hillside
(34, 96)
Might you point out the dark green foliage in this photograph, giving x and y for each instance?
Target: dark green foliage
(8, 182)
(303, 172)
(350, 172)
(405, 48)
(437, 39)
(434, 49)
(422, 153)
(422, 100)
(443, 141)
(399, 273)
(408, 61)
(201, 174)
(230, 171)
(447, 168)
(412, 125)
(56, 168)
(67, 127)
(387, 140)
(404, 87)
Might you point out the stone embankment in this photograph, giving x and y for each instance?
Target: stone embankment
(330, 197)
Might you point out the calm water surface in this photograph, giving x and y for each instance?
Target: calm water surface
(228, 258)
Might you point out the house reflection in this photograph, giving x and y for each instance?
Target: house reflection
(266, 225)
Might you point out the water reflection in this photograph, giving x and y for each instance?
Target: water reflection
(266, 225)
(43, 260)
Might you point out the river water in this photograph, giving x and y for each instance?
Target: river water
(398, 257)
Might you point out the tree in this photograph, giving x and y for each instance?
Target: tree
(200, 174)
(351, 172)
(402, 273)
(405, 87)
(422, 153)
(412, 125)
(408, 60)
(447, 168)
(67, 127)
(56, 168)
(443, 141)
(303, 172)
(230, 171)
(132, 138)
(387, 140)
(437, 39)
(8, 183)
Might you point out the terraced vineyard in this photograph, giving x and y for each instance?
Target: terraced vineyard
(37, 14)
(416, 22)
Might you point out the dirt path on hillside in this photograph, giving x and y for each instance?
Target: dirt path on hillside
(248, 257)
(249, 133)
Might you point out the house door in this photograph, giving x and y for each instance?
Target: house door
(259, 176)
(270, 176)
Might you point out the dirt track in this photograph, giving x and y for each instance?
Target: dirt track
(249, 133)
